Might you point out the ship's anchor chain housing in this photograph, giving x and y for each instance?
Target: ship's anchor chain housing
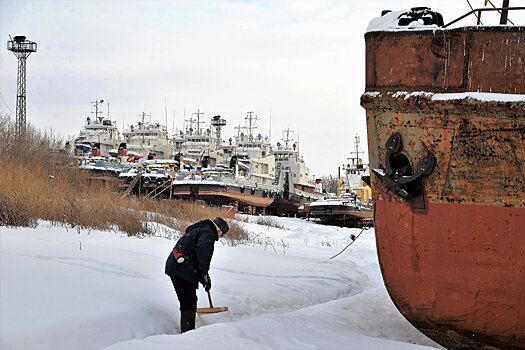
(397, 177)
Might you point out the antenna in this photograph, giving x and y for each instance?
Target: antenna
(184, 121)
(173, 126)
(22, 48)
(270, 131)
(166, 113)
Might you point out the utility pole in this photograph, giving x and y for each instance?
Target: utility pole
(22, 48)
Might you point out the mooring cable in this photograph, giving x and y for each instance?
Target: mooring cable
(349, 244)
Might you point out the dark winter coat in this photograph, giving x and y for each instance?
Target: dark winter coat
(197, 247)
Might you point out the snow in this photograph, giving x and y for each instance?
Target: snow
(78, 289)
(385, 23)
(480, 96)
(389, 22)
(372, 93)
(475, 96)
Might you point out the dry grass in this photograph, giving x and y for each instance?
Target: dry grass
(236, 235)
(39, 183)
(268, 221)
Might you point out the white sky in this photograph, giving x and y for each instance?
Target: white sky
(303, 60)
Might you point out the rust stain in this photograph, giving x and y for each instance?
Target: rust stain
(452, 259)
(462, 59)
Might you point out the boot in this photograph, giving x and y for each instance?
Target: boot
(187, 320)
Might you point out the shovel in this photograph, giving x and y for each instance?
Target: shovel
(211, 309)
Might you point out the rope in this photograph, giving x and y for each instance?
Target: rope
(349, 244)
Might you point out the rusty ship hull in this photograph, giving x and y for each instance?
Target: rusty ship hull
(346, 213)
(223, 195)
(451, 242)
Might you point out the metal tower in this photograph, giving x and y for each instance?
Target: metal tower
(218, 124)
(22, 48)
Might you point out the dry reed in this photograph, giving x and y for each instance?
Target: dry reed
(37, 182)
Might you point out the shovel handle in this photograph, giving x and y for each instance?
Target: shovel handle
(209, 299)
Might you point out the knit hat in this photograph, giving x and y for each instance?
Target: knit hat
(223, 225)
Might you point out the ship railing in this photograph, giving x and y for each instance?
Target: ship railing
(477, 12)
(249, 184)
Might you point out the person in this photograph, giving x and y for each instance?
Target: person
(189, 263)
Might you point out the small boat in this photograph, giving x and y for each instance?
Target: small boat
(348, 211)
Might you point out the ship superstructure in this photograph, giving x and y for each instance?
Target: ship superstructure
(198, 146)
(252, 153)
(238, 173)
(147, 139)
(99, 134)
(351, 181)
(293, 175)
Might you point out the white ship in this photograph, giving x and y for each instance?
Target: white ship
(149, 140)
(252, 153)
(243, 178)
(99, 135)
(200, 147)
(293, 174)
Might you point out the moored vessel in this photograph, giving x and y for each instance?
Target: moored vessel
(197, 146)
(239, 174)
(150, 140)
(292, 174)
(99, 135)
(446, 133)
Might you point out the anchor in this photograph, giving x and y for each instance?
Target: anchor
(397, 176)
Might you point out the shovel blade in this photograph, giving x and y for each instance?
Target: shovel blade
(211, 310)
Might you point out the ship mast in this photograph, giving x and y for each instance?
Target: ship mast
(198, 114)
(286, 137)
(356, 160)
(143, 115)
(251, 124)
(97, 112)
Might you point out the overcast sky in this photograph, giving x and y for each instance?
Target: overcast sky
(301, 60)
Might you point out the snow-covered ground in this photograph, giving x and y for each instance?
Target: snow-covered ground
(61, 289)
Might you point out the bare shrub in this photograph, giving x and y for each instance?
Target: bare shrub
(268, 221)
(242, 218)
(237, 234)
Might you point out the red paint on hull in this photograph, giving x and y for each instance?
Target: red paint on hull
(451, 247)
(465, 260)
